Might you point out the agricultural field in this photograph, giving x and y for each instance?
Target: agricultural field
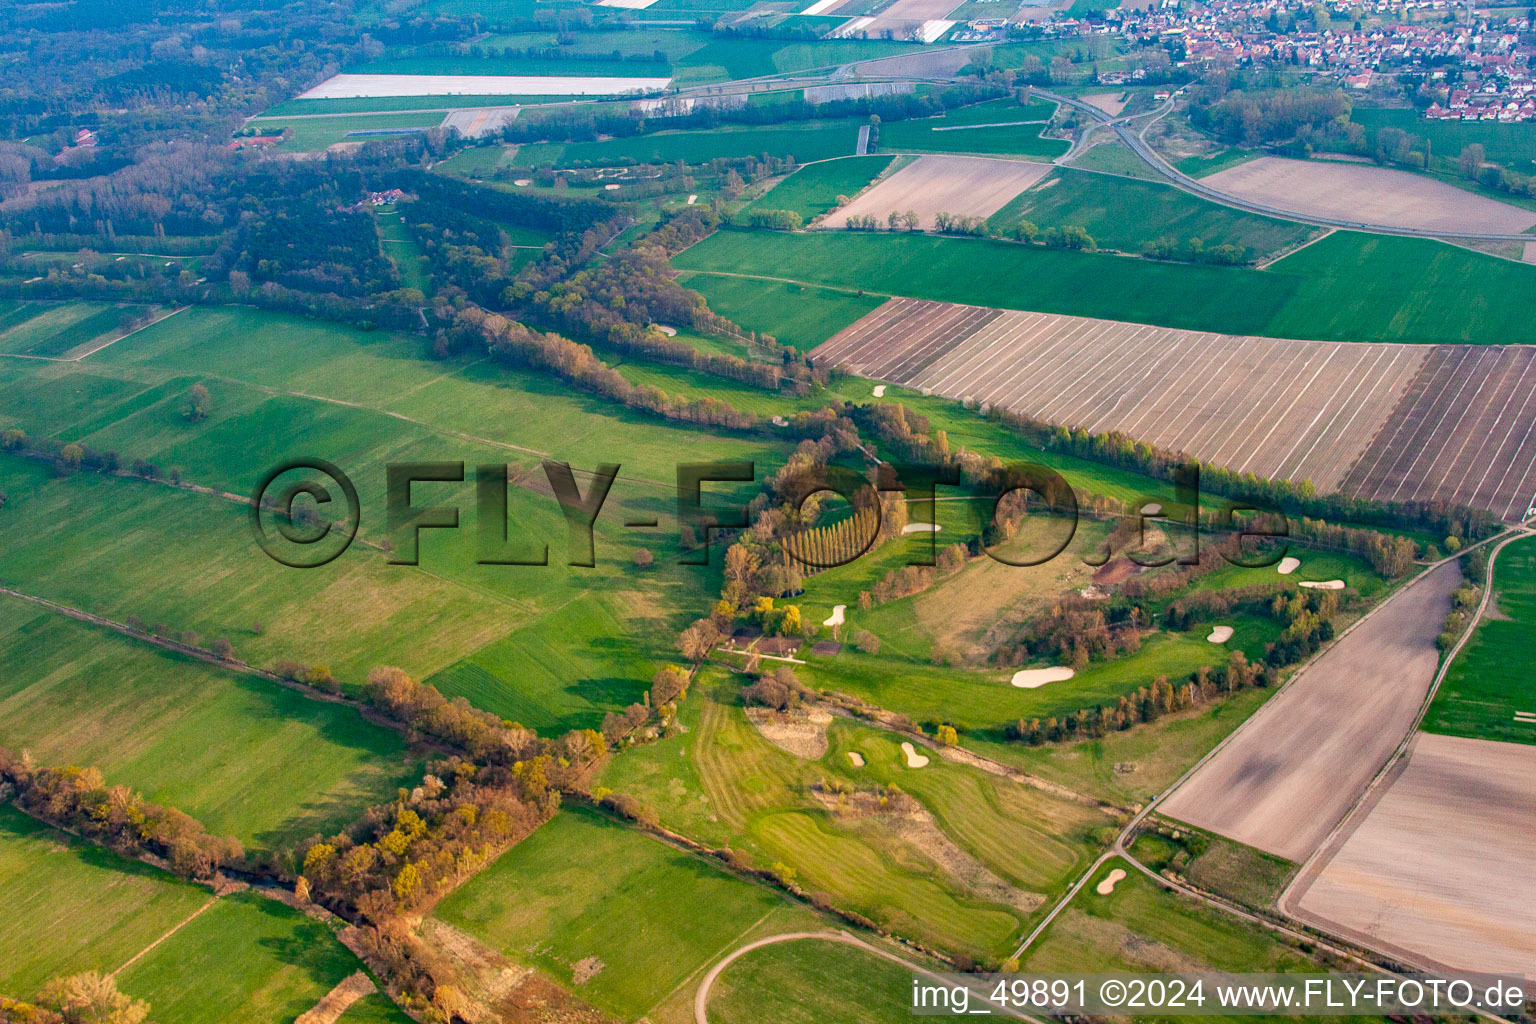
(1130, 215)
(1323, 402)
(1366, 194)
(1486, 688)
(1286, 779)
(243, 755)
(1346, 287)
(814, 189)
(60, 329)
(1463, 806)
(583, 887)
(930, 185)
(307, 134)
(802, 316)
(997, 128)
(449, 76)
(116, 910)
(807, 141)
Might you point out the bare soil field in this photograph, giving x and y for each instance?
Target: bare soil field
(1450, 423)
(1443, 867)
(1368, 194)
(963, 185)
(349, 86)
(473, 124)
(1465, 432)
(903, 16)
(1293, 771)
(1109, 102)
(1289, 409)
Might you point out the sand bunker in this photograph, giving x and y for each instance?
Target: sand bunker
(802, 733)
(836, 618)
(914, 759)
(667, 329)
(1107, 886)
(1220, 634)
(921, 528)
(523, 182)
(1031, 678)
(1324, 585)
(1288, 565)
(856, 759)
(879, 391)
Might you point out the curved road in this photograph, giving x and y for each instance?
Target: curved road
(701, 997)
(1139, 146)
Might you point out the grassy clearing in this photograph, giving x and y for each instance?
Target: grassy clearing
(1128, 214)
(71, 907)
(983, 129)
(800, 315)
(244, 756)
(1347, 287)
(583, 886)
(805, 141)
(375, 1009)
(814, 189)
(402, 249)
(1488, 682)
(1511, 144)
(1217, 864)
(1115, 158)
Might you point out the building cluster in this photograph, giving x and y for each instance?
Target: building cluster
(1480, 60)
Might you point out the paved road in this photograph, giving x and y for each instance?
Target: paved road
(1123, 128)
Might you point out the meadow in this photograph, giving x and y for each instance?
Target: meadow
(402, 104)
(50, 329)
(805, 141)
(514, 636)
(1489, 680)
(813, 189)
(1129, 214)
(1346, 287)
(245, 756)
(585, 886)
(520, 66)
(403, 250)
(1510, 144)
(801, 316)
(70, 907)
(994, 128)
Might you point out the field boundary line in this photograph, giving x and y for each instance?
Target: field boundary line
(173, 930)
(114, 341)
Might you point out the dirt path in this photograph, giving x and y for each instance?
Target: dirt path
(336, 1002)
(185, 921)
(79, 355)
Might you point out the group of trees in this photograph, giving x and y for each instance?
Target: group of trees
(1267, 115)
(913, 579)
(80, 800)
(87, 998)
(779, 690)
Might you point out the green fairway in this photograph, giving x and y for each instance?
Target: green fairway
(994, 128)
(69, 907)
(1347, 287)
(244, 756)
(1126, 214)
(813, 189)
(805, 141)
(724, 784)
(583, 886)
(403, 251)
(801, 316)
(1489, 681)
(812, 981)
